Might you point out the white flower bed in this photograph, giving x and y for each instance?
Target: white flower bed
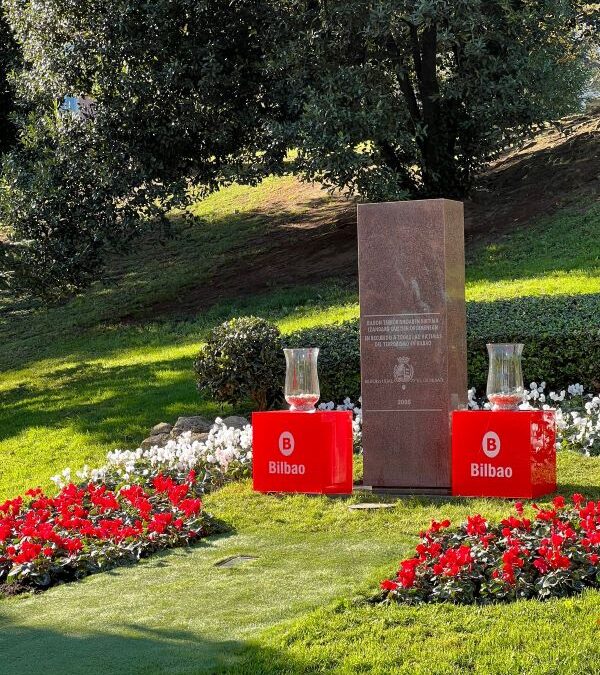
(226, 454)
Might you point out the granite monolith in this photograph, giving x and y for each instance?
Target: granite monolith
(413, 340)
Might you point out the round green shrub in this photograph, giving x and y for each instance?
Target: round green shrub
(242, 359)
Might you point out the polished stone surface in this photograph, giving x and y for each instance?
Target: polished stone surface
(413, 339)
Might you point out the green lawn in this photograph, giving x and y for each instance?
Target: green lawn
(301, 606)
(84, 378)
(555, 256)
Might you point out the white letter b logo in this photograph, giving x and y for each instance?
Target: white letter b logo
(491, 444)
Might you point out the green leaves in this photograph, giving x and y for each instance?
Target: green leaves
(400, 98)
(242, 359)
(180, 99)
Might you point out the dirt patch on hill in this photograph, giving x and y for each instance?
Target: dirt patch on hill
(316, 240)
(560, 167)
(303, 245)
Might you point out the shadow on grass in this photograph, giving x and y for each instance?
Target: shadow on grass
(108, 404)
(128, 649)
(199, 259)
(45, 335)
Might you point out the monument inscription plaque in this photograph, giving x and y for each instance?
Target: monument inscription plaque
(413, 340)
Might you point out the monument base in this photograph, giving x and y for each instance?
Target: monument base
(307, 452)
(404, 492)
(503, 453)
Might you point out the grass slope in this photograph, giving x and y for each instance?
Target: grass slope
(79, 380)
(301, 606)
(554, 256)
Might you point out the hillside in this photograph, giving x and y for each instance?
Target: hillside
(309, 236)
(93, 374)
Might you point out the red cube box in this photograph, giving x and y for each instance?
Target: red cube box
(302, 452)
(503, 453)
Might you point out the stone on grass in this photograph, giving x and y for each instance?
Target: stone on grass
(195, 424)
(161, 428)
(156, 439)
(236, 422)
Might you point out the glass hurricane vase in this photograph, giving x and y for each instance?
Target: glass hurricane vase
(301, 379)
(505, 377)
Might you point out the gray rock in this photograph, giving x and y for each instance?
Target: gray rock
(161, 428)
(196, 424)
(235, 421)
(155, 439)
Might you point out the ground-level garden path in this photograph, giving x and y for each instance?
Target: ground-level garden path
(302, 605)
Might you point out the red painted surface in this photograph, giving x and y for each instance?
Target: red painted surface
(503, 453)
(302, 452)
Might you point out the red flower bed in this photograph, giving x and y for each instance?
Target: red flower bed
(555, 553)
(84, 529)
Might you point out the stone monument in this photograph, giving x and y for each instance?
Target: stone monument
(413, 340)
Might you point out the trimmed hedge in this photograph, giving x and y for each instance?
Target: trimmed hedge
(339, 357)
(561, 337)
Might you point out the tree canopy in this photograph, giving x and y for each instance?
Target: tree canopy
(385, 99)
(393, 99)
(8, 60)
(179, 105)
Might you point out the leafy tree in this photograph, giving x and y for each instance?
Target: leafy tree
(386, 98)
(180, 108)
(393, 98)
(8, 60)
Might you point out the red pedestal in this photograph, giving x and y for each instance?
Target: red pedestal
(302, 452)
(503, 454)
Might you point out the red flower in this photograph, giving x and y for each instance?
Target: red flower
(547, 516)
(163, 483)
(29, 551)
(11, 507)
(34, 492)
(388, 585)
(72, 545)
(177, 493)
(159, 522)
(476, 524)
(407, 572)
(6, 527)
(559, 501)
(190, 507)
(103, 498)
